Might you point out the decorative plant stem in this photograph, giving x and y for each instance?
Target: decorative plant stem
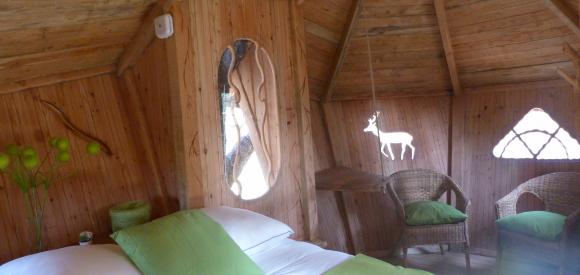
(34, 178)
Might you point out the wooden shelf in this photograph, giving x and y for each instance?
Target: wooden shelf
(348, 179)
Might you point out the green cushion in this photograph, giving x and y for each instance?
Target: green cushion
(540, 224)
(432, 213)
(365, 265)
(184, 243)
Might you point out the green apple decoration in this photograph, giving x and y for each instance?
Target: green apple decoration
(34, 175)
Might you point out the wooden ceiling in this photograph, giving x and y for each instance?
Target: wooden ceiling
(44, 37)
(491, 42)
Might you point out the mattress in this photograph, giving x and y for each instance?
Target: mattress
(293, 257)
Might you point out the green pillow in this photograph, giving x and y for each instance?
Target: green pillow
(432, 213)
(184, 243)
(540, 224)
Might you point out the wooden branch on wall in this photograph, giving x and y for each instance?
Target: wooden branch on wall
(565, 13)
(447, 45)
(343, 46)
(575, 58)
(144, 36)
(73, 128)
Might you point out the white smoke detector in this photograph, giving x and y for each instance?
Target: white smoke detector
(163, 26)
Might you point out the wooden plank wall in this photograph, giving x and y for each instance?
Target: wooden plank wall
(95, 104)
(426, 118)
(277, 25)
(150, 100)
(484, 116)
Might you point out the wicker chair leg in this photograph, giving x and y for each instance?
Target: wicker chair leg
(441, 248)
(405, 256)
(467, 259)
(498, 259)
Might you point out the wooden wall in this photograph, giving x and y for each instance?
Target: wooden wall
(81, 203)
(426, 118)
(484, 116)
(277, 26)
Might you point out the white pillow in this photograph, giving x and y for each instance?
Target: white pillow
(248, 229)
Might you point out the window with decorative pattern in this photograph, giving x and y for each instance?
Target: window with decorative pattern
(537, 136)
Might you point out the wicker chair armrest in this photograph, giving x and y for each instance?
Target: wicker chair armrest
(506, 206)
(400, 208)
(572, 221)
(461, 201)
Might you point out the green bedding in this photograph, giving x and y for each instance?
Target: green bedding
(184, 243)
(365, 265)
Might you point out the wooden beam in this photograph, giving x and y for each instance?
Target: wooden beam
(22, 85)
(573, 55)
(565, 13)
(447, 45)
(567, 77)
(343, 46)
(143, 37)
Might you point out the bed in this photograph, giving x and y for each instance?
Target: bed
(268, 245)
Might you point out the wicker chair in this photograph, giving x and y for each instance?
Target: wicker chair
(560, 193)
(420, 185)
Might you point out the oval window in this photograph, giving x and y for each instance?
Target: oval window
(249, 119)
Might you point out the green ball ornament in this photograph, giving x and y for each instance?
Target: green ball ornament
(93, 148)
(13, 150)
(53, 142)
(30, 162)
(63, 157)
(4, 161)
(62, 144)
(29, 152)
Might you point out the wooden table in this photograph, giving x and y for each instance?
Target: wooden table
(343, 182)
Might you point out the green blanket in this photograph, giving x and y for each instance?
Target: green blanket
(184, 243)
(365, 265)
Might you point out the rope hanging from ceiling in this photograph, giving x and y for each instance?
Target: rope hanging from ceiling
(375, 111)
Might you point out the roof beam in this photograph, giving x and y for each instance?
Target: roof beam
(573, 55)
(143, 37)
(441, 14)
(565, 13)
(343, 46)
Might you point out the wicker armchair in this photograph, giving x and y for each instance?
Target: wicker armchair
(560, 193)
(421, 185)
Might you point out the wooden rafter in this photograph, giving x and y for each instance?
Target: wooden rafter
(441, 14)
(143, 37)
(573, 55)
(565, 13)
(343, 46)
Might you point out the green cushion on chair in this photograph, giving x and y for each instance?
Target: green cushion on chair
(539, 224)
(432, 213)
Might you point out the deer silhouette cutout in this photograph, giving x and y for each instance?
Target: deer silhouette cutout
(403, 138)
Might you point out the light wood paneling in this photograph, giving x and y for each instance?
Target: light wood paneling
(325, 22)
(62, 35)
(481, 119)
(407, 52)
(426, 118)
(151, 82)
(511, 41)
(82, 203)
(323, 157)
(273, 24)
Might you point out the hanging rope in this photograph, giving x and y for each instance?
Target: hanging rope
(373, 90)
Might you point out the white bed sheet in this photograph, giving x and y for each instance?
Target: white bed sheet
(297, 258)
(281, 257)
(73, 260)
